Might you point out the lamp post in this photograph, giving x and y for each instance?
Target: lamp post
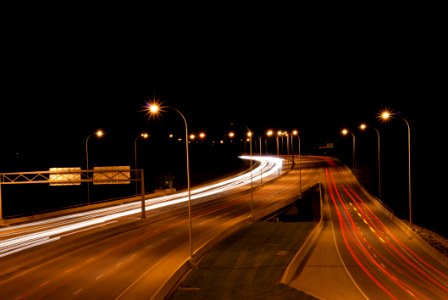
(143, 135)
(345, 132)
(153, 109)
(292, 147)
(269, 133)
(249, 135)
(279, 133)
(295, 132)
(266, 146)
(99, 133)
(286, 134)
(386, 115)
(363, 126)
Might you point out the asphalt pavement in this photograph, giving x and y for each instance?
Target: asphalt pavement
(248, 264)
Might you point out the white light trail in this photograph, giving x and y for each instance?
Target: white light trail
(49, 229)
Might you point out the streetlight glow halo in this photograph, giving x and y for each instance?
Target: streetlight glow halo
(385, 115)
(154, 108)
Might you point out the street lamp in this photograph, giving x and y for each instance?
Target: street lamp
(292, 147)
(269, 133)
(266, 146)
(279, 133)
(386, 115)
(99, 133)
(249, 135)
(286, 134)
(295, 132)
(261, 175)
(143, 135)
(153, 109)
(363, 126)
(345, 132)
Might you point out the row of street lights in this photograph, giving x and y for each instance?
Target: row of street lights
(385, 116)
(281, 134)
(154, 109)
(100, 133)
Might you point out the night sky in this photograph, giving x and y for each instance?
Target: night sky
(56, 103)
(60, 85)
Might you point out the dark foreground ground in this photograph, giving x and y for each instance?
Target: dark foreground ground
(248, 264)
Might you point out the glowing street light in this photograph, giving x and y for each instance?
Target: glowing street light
(279, 133)
(295, 132)
(249, 135)
(363, 126)
(261, 153)
(286, 134)
(386, 115)
(345, 132)
(143, 135)
(153, 109)
(269, 133)
(99, 133)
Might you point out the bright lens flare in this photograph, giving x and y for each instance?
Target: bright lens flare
(385, 115)
(153, 108)
(99, 133)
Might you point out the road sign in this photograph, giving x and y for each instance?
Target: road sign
(112, 175)
(65, 176)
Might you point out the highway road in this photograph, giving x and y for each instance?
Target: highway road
(364, 252)
(361, 252)
(112, 253)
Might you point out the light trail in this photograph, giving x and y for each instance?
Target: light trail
(49, 229)
(391, 265)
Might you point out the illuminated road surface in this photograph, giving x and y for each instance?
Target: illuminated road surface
(112, 253)
(363, 254)
(41, 232)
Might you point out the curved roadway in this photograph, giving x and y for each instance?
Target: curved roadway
(112, 253)
(362, 252)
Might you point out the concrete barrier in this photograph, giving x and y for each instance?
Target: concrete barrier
(310, 241)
